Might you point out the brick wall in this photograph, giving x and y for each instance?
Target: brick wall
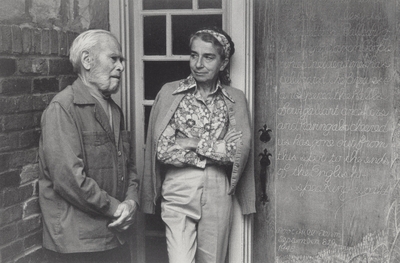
(34, 66)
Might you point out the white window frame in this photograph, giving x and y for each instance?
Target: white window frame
(125, 23)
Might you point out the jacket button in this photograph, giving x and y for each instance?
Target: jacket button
(122, 178)
(119, 153)
(237, 165)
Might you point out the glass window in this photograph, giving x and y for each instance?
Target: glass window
(154, 35)
(157, 73)
(185, 25)
(167, 4)
(147, 110)
(210, 4)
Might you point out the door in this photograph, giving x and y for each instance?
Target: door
(326, 131)
(154, 36)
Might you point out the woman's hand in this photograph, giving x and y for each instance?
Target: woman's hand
(232, 136)
(188, 143)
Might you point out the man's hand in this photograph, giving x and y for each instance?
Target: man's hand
(124, 215)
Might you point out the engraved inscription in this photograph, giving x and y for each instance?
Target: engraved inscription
(333, 124)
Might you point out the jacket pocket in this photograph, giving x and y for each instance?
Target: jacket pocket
(100, 159)
(92, 227)
(126, 143)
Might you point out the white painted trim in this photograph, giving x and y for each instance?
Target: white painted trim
(240, 28)
(119, 26)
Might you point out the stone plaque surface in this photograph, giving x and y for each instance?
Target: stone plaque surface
(335, 184)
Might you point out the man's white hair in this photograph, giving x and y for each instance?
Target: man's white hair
(85, 42)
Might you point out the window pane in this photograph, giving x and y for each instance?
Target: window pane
(210, 4)
(154, 36)
(185, 25)
(147, 110)
(167, 4)
(157, 73)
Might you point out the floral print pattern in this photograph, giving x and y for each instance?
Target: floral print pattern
(197, 118)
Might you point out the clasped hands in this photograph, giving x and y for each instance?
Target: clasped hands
(124, 216)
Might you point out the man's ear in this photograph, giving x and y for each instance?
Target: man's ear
(224, 64)
(86, 60)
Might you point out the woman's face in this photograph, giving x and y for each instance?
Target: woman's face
(205, 61)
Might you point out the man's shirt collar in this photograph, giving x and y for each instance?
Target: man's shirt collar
(190, 83)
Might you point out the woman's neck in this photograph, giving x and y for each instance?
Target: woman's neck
(206, 88)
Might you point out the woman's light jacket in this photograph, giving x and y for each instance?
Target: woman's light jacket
(242, 175)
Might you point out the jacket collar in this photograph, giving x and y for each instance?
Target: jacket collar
(190, 83)
(81, 93)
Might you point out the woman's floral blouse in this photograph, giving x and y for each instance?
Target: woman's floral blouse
(196, 118)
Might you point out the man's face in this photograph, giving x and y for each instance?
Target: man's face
(106, 66)
(205, 61)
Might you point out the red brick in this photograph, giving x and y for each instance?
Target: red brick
(8, 105)
(24, 103)
(45, 49)
(14, 86)
(37, 41)
(15, 104)
(9, 141)
(35, 255)
(29, 139)
(21, 158)
(12, 196)
(10, 214)
(29, 173)
(8, 234)
(16, 39)
(11, 250)
(6, 39)
(31, 207)
(33, 240)
(4, 161)
(36, 118)
(32, 66)
(9, 179)
(7, 67)
(21, 121)
(71, 37)
(66, 81)
(63, 41)
(53, 41)
(44, 85)
(26, 40)
(40, 102)
(60, 67)
(29, 225)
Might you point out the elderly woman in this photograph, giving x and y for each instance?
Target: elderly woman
(197, 148)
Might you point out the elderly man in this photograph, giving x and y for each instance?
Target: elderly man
(88, 185)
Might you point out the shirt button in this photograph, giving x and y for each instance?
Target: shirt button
(119, 153)
(122, 178)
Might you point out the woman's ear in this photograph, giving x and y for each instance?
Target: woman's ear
(86, 60)
(224, 64)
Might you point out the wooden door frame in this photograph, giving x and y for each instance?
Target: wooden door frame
(240, 27)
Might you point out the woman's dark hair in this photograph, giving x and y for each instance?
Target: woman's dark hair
(207, 37)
